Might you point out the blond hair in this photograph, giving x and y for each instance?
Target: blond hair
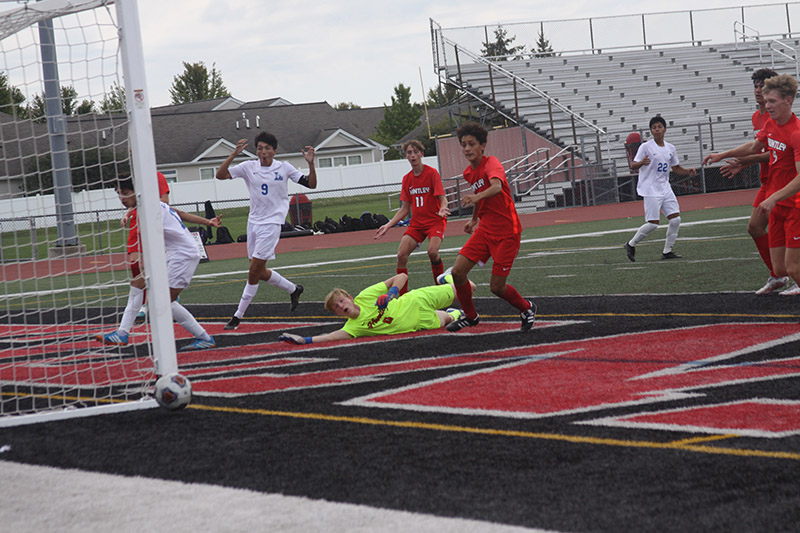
(334, 295)
(784, 85)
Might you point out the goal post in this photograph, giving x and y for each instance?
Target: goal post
(57, 299)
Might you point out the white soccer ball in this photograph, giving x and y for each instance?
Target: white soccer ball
(173, 391)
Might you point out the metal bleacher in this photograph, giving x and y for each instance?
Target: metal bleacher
(703, 91)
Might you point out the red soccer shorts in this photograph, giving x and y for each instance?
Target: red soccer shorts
(761, 195)
(503, 249)
(784, 227)
(428, 232)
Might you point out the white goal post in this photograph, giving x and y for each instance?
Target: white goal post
(63, 268)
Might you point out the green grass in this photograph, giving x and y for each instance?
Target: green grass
(568, 259)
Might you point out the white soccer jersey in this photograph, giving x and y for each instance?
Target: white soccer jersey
(654, 177)
(269, 198)
(177, 239)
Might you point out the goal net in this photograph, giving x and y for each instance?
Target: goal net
(74, 115)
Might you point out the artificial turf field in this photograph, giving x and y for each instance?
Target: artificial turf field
(618, 412)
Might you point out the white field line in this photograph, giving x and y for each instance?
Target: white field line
(392, 256)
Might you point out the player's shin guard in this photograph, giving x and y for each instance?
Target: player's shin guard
(672, 234)
(135, 300)
(513, 297)
(404, 288)
(464, 294)
(182, 316)
(248, 294)
(643, 231)
(762, 244)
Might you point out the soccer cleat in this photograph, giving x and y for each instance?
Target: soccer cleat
(233, 323)
(631, 251)
(445, 277)
(528, 317)
(295, 297)
(773, 284)
(141, 315)
(463, 322)
(671, 255)
(115, 338)
(200, 344)
(792, 291)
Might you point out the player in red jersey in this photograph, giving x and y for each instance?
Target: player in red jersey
(757, 226)
(781, 138)
(495, 228)
(421, 194)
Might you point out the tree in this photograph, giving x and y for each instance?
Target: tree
(114, 100)
(501, 49)
(341, 106)
(399, 118)
(69, 104)
(90, 168)
(543, 47)
(197, 83)
(11, 98)
(440, 97)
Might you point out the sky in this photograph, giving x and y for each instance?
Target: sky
(360, 50)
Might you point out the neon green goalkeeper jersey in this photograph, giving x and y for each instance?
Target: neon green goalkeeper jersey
(400, 316)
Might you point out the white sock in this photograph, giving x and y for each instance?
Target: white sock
(276, 280)
(135, 299)
(248, 294)
(182, 316)
(644, 231)
(672, 234)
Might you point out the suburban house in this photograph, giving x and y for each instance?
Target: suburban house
(192, 139)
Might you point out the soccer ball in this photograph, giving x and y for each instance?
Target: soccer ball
(173, 392)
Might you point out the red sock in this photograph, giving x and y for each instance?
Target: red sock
(515, 298)
(464, 294)
(405, 287)
(438, 269)
(762, 243)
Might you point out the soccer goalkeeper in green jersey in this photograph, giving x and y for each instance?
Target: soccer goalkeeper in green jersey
(378, 310)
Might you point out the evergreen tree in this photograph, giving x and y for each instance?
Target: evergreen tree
(543, 47)
(11, 98)
(447, 95)
(114, 100)
(399, 118)
(501, 49)
(69, 104)
(346, 105)
(197, 83)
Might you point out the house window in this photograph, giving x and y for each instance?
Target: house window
(324, 162)
(340, 161)
(207, 173)
(354, 160)
(171, 175)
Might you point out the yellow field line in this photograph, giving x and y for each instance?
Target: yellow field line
(676, 445)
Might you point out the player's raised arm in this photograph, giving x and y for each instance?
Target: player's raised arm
(222, 172)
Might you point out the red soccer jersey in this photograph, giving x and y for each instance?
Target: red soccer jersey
(497, 213)
(759, 121)
(421, 192)
(133, 233)
(783, 144)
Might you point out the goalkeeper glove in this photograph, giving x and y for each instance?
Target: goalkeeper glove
(384, 299)
(294, 339)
